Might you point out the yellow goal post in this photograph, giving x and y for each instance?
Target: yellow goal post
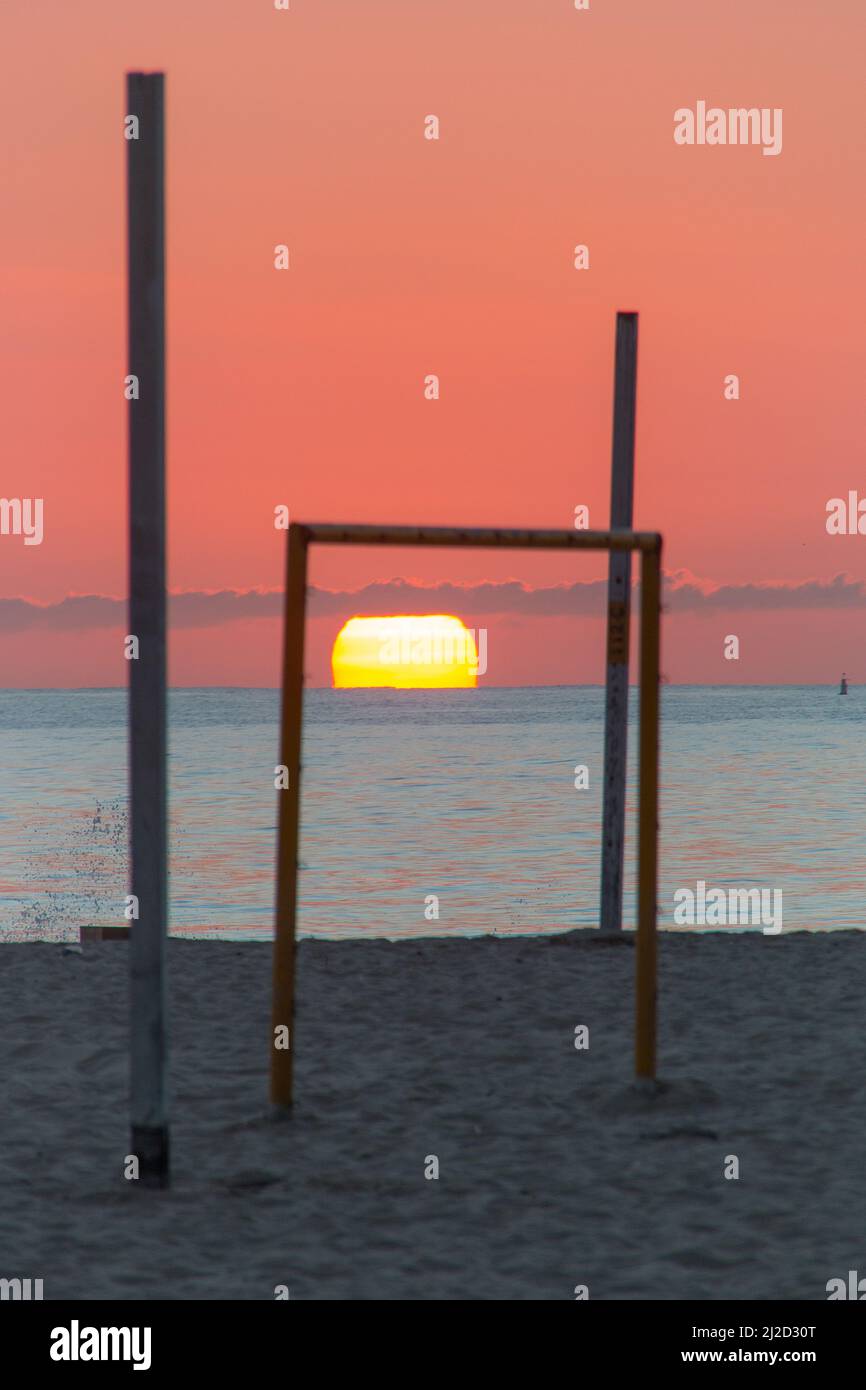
(300, 537)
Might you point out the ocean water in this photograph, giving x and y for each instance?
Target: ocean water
(465, 795)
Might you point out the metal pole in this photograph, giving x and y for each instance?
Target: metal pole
(282, 1040)
(645, 982)
(147, 623)
(618, 615)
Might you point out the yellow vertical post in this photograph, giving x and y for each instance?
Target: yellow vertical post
(645, 983)
(288, 819)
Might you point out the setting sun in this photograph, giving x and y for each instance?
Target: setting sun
(434, 651)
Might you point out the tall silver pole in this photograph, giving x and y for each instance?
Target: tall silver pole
(147, 623)
(618, 616)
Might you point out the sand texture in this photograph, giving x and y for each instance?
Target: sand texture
(553, 1171)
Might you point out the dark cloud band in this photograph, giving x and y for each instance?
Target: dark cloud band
(683, 594)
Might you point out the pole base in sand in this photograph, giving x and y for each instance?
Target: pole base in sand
(151, 1148)
(647, 1085)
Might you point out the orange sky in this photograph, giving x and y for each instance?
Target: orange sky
(453, 257)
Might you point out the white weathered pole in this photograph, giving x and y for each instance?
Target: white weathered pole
(147, 623)
(618, 615)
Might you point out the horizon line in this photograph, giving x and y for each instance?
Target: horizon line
(558, 685)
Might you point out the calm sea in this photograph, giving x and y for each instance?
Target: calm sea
(465, 795)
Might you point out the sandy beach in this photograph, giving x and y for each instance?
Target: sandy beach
(553, 1171)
